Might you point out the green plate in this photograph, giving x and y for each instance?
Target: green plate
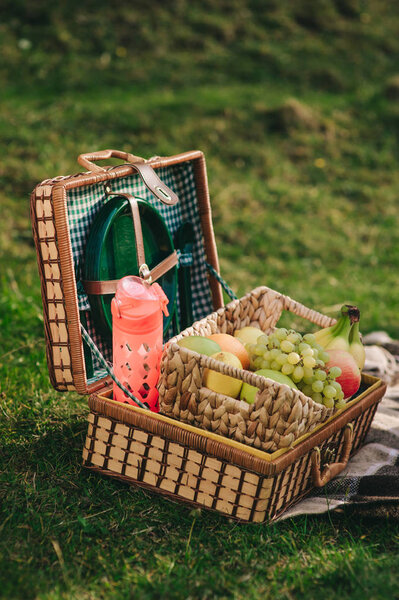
(111, 254)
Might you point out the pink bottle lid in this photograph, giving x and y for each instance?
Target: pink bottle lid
(137, 300)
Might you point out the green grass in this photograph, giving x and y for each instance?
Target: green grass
(305, 203)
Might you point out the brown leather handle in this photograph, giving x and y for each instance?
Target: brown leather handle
(146, 172)
(330, 471)
(85, 159)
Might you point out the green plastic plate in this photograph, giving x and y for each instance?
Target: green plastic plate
(111, 254)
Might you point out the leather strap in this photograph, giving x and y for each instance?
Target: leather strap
(155, 185)
(165, 265)
(98, 288)
(138, 232)
(146, 172)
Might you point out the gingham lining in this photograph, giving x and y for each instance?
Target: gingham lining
(83, 203)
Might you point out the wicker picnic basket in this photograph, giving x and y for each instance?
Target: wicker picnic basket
(256, 472)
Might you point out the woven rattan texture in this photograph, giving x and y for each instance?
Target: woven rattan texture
(279, 415)
(174, 469)
(55, 318)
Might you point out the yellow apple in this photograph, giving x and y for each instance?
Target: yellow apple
(224, 384)
(248, 335)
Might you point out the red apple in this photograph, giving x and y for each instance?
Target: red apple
(350, 377)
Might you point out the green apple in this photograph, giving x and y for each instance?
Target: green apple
(199, 344)
(248, 335)
(248, 392)
(224, 384)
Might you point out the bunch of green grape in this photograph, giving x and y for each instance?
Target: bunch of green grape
(303, 360)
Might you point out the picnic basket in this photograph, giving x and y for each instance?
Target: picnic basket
(252, 474)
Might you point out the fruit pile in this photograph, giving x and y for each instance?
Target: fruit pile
(325, 366)
(303, 360)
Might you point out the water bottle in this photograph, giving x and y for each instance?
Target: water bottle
(137, 329)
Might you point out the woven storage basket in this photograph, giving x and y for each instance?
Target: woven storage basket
(174, 458)
(279, 415)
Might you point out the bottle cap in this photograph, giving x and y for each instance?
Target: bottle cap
(136, 299)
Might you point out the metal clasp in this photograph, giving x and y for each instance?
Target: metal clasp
(145, 273)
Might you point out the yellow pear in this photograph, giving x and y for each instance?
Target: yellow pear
(224, 384)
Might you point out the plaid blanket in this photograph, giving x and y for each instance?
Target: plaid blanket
(371, 480)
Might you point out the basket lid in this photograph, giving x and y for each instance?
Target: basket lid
(63, 210)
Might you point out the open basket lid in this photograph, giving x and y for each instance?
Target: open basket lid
(62, 211)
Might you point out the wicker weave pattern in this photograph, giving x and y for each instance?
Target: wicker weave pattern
(279, 415)
(55, 320)
(159, 462)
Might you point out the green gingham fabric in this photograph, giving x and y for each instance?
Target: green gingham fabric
(83, 203)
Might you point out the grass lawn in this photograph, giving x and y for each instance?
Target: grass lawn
(294, 107)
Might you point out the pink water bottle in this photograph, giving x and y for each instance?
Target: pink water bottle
(137, 326)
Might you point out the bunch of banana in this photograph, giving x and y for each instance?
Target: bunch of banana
(344, 335)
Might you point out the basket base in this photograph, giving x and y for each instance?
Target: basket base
(161, 462)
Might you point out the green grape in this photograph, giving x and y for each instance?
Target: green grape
(329, 391)
(308, 379)
(309, 338)
(281, 358)
(281, 333)
(328, 402)
(258, 362)
(317, 386)
(294, 337)
(302, 346)
(293, 358)
(340, 395)
(259, 350)
(275, 365)
(263, 339)
(274, 343)
(320, 363)
(318, 347)
(336, 386)
(309, 362)
(317, 397)
(307, 352)
(287, 346)
(335, 372)
(297, 374)
(287, 368)
(321, 375)
(266, 355)
(308, 372)
(265, 364)
(315, 353)
(324, 356)
(307, 390)
(274, 353)
(250, 348)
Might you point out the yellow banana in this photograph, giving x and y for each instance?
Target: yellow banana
(356, 347)
(336, 336)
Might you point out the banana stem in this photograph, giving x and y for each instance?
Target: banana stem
(352, 312)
